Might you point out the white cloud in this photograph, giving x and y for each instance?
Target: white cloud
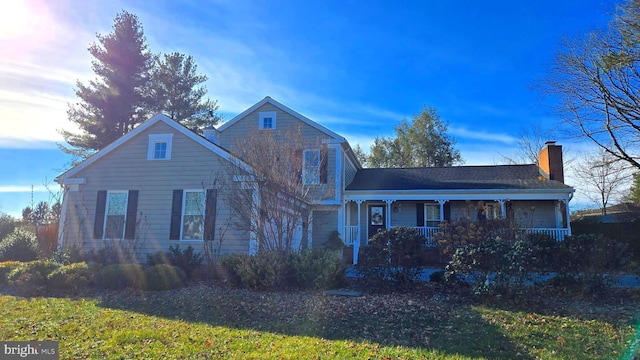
(481, 135)
(22, 188)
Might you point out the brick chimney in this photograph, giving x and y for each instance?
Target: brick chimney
(550, 161)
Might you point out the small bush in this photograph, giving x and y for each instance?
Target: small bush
(7, 225)
(164, 277)
(68, 255)
(334, 242)
(120, 276)
(393, 255)
(318, 269)
(266, 270)
(186, 259)
(20, 245)
(493, 266)
(5, 268)
(73, 277)
(30, 278)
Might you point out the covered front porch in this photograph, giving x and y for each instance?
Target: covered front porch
(365, 215)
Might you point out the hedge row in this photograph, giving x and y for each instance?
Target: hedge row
(37, 277)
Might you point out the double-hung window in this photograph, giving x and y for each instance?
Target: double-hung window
(115, 214)
(193, 215)
(492, 211)
(311, 167)
(432, 215)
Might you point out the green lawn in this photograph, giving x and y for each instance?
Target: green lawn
(217, 322)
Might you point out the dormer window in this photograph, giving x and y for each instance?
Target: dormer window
(267, 120)
(159, 147)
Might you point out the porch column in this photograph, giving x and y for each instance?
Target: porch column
(568, 214)
(442, 202)
(503, 210)
(389, 202)
(356, 241)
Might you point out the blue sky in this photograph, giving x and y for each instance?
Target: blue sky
(357, 67)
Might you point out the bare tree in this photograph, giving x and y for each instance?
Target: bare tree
(530, 140)
(274, 197)
(603, 178)
(597, 82)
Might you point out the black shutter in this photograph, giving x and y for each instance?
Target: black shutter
(324, 155)
(447, 211)
(420, 214)
(132, 209)
(176, 215)
(101, 203)
(210, 215)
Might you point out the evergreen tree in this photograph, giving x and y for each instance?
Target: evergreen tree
(423, 142)
(634, 190)
(177, 91)
(116, 101)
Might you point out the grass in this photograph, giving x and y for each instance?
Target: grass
(216, 322)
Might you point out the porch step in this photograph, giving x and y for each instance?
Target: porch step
(350, 293)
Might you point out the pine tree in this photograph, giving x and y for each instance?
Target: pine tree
(117, 100)
(177, 91)
(423, 142)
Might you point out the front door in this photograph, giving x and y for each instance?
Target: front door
(377, 219)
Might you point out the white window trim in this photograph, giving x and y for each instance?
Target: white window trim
(426, 219)
(159, 138)
(204, 209)
(106, 213)
(496, 213)
(267, 114)
(304, 167)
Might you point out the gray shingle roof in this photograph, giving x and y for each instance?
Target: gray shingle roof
(454, 178)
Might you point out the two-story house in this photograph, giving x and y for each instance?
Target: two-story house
(157, 184)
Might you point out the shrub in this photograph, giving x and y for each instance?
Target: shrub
(7, 225)
(5, 268)
(68, 255)
(587, 258)
(164, 277)
(115, 252)
(186, 259)
(334, 242)
(30, 278)
(20, 245)
(266, 270)
(120, 276)
(392, 255)
(318, 269)
(493, 266)
(73, 277)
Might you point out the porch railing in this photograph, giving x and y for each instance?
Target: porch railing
(555, 233)
(351, 232)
